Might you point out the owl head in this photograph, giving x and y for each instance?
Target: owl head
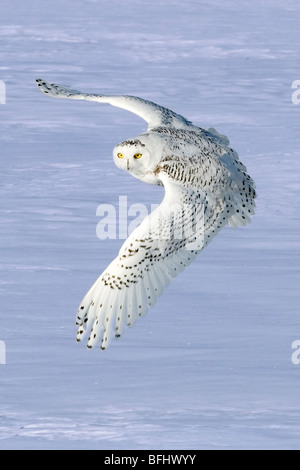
(139, 157)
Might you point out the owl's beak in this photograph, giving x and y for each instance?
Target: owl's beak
(127, 164)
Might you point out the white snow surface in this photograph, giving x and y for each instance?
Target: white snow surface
(210, 365)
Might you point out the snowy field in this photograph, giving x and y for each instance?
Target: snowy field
(210, 366)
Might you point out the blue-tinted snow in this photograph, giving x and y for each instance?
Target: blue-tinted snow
(210, 366)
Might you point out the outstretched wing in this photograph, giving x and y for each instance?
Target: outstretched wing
(152, 113)
(154, 253)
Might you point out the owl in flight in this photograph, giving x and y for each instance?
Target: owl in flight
(206, 187)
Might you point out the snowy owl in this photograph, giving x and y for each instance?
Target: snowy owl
(206, 187)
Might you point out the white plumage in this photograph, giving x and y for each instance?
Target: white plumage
(206, 187)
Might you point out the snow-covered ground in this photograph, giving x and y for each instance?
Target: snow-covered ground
(210, 366)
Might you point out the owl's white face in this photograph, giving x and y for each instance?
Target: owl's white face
(134, 157)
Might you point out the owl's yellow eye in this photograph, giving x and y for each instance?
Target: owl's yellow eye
(137, 155)
(120, 155)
